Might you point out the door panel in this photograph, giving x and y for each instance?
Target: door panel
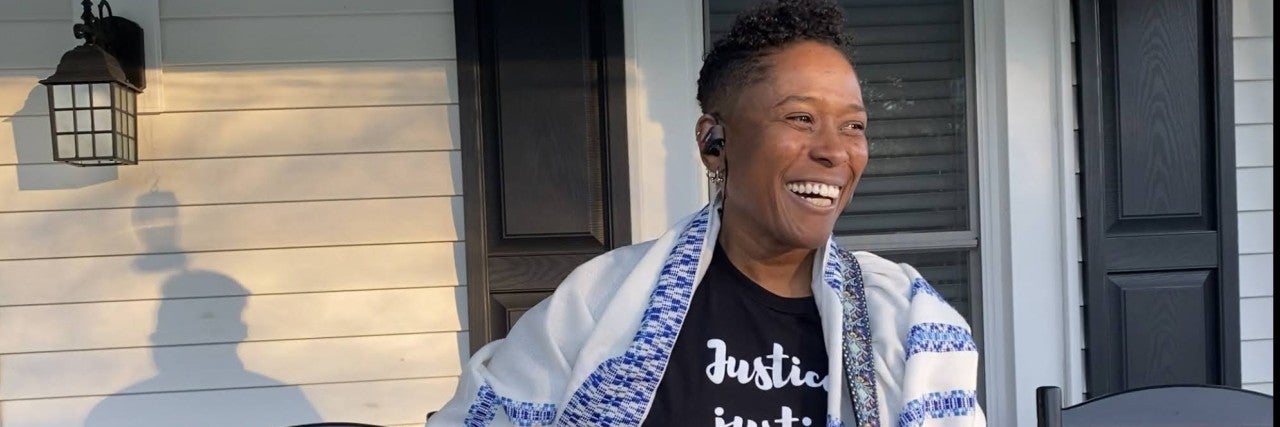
(1158, 193)
(543, 126)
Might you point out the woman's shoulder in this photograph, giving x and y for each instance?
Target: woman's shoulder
(883, 274)
(595, 281)
(899, 287)
(614, 262)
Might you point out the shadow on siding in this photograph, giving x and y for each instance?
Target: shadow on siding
(197, 383)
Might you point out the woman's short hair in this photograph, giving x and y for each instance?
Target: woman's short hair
(736, 60)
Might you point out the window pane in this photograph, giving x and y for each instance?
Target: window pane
(65, 121)
(102, 145)
(948, 271)
(911, 60)
(101, 95)
(66, 146)
(102, 120)
(62, 96)
(84, 145)
(81, 95)
(84, 121)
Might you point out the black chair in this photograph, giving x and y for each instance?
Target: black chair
(1164, 406)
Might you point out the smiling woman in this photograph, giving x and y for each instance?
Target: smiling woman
(746, 312)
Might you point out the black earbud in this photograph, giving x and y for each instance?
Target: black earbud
(715, 141)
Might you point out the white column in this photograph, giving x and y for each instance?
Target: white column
(664, 54)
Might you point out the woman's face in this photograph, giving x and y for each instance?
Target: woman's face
(795, 146)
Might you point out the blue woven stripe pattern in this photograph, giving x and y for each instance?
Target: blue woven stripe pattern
(523, 414)
(954, 403)
(920, 286)
(843, 274)
(938, 338)
(618, 392)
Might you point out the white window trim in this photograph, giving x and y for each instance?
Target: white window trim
(664, 40)
(1029, 205)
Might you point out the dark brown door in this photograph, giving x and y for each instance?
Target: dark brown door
(1158, 193)
(543, 125)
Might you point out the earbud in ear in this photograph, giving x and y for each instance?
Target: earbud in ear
(715, 141)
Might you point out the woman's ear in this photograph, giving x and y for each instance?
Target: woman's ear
(712, 158)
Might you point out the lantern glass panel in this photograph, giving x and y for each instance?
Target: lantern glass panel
(81, 95)
(84, 121)
(102, 145)
(66, 146)
(101, 95)
(102, 120)
(64, 121)
(61, 96)
(130, 98)
(84, 145)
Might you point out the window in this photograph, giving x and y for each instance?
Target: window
(916, 200)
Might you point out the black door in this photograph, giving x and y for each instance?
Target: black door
(543, 127)
(1157, 160)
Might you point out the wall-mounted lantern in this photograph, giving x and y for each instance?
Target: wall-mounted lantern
(93, 95)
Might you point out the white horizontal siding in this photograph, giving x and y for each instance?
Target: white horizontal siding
(275, 39)
(222, 134)
(103, 372)
(198, 9)
(1253, 31)
(288, 251)
(273, 271)
(41, 328)
(79, 233)
(387, 403)
(292, 178)
(1254, 146)
(1257, 275)
(309, 85)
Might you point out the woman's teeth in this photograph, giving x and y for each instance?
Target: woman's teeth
(819, 194)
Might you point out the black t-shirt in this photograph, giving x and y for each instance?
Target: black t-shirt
(744, 356)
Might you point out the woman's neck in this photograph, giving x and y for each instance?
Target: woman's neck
(786, 272)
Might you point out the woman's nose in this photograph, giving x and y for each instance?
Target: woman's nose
(827, 149)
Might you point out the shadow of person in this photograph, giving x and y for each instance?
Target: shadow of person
(200, 379)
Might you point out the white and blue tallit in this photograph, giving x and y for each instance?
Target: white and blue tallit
(898, 354)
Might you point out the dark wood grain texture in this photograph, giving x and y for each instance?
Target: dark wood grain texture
(1164, 334)
(543, 272)
(1157, 193)
(543, 128)
(1161, 97)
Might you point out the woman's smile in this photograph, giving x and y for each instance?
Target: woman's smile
(815, 194)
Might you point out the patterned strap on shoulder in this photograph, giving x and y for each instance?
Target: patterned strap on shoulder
(859, 365)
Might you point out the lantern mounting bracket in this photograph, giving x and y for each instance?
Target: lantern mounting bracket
(119, 37)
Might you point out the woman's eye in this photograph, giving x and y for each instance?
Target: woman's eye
(803, 119)
(856, 127)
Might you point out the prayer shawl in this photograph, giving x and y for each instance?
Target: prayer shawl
(594, 352)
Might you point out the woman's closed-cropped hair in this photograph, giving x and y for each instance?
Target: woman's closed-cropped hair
(736, 60)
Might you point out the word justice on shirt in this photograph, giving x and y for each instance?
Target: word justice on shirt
(773, 371)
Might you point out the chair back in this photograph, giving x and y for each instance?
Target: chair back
(1159, 406)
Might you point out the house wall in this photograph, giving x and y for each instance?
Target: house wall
(1253, 34)
(288, 251)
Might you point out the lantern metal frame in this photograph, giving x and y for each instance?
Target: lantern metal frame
(93, 93)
